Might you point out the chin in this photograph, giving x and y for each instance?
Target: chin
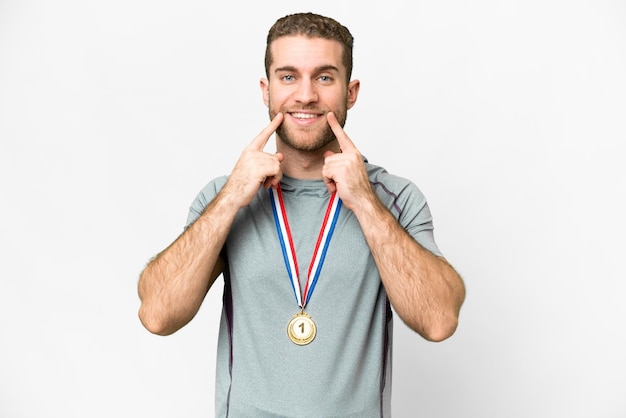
(303, 142)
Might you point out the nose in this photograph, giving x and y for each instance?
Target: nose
(306, 92)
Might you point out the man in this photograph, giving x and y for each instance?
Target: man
(294, 341)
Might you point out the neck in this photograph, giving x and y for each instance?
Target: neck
(305, 165)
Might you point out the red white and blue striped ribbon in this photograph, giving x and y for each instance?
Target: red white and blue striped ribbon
(286, 243)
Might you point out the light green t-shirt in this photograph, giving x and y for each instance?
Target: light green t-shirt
(346, 370)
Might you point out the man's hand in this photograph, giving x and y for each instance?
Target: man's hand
(255, 167)
(345, 172)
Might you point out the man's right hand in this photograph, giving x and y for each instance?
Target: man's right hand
(255, 168)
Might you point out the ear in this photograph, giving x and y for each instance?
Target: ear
(353, 92)
(265, 90)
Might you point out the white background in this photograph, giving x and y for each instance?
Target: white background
(509, 115)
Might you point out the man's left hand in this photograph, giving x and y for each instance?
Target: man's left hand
(345, 172)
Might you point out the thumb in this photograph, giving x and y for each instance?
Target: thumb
(330, 183)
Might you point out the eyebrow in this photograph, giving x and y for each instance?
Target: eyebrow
(317, 70)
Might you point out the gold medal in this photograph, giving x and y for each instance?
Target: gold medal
(301, 328)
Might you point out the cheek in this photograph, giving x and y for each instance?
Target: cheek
(277, 97)
(336, 99)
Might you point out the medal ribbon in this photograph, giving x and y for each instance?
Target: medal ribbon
(286, 243)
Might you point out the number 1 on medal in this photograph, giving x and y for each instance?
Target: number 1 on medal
(301, 329)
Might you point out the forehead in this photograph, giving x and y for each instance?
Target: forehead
(304, 53)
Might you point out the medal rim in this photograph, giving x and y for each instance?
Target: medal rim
(294, 338)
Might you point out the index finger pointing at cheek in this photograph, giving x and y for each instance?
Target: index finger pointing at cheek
(261, 139)
(344, 141)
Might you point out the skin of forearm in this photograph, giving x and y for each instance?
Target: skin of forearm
(174, 283)
(425, 291)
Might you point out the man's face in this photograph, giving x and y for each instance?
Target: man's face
(307, 79)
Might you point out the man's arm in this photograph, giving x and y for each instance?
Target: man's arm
(424, 289)
(174, 283)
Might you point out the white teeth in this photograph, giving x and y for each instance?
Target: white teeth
(303, 115)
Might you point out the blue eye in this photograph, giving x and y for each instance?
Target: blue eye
(325, 78)
(288, 77)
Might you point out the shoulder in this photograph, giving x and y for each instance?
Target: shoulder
(395, 191)
(205, 196)
(208, 192)
(407, 203)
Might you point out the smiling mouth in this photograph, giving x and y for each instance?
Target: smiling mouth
(303, 115)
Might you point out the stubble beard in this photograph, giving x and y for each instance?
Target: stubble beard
(308, 140)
